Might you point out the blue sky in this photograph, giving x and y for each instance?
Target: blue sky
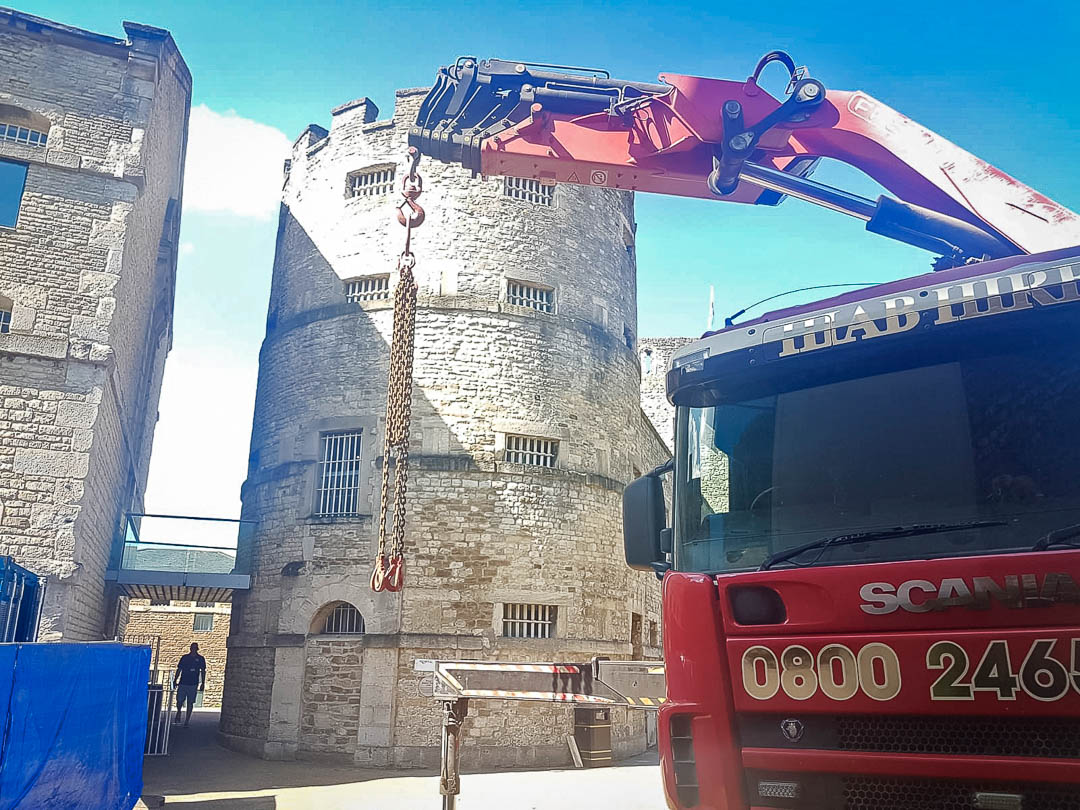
(996, 78)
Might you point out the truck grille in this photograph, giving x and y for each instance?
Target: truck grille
(1054, 738)
(871, 793)
(1003, 736)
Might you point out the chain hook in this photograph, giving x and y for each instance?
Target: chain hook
(414, 161)
(412, 186)
(378, 574)
(395, 574)
(389, 571)
(416, 215)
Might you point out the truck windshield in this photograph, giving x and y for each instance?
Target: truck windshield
(978, 438)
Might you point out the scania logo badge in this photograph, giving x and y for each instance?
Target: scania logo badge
(792, 729)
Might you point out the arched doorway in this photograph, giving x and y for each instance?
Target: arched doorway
(330, 707)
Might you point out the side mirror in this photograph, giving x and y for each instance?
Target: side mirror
(644, 519)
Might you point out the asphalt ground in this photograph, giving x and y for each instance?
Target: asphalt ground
(200, 775)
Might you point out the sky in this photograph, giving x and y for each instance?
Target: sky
(996, 78)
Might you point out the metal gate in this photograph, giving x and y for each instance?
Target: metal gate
(22, 594)
(159, 705)
(160, 697)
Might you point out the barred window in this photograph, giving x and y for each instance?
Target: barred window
(368, 288)
(202, 622)
(530, 191)
(30, 137)
(370, 182)
(5, 316)
(344, 619)
(528, 621)
(339, 474)
(531, 450)
(533, 296)
(205, 604)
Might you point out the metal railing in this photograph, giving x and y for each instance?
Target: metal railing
(159, 707)
(22, 595)
(181, 544)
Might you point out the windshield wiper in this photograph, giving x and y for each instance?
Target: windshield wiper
(1058, 537)
(881, 534)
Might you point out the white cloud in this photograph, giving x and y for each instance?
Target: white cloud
(234, 164)
(187, 248)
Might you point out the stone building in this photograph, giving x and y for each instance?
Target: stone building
(92, 137)
(527, 424)
(170, 629)
(655, 355)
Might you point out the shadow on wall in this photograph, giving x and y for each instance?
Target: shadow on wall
(323, 369)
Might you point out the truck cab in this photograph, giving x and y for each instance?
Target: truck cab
(871, 596)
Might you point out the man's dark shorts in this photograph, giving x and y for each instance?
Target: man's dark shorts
(185, 693)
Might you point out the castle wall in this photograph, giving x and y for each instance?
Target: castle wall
(655, 355)
(87, 274)
(483, 531)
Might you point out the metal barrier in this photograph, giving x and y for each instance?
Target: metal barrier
(22, 593)
(597, 685)
(159, 707)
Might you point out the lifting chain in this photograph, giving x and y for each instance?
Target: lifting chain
(389, 571)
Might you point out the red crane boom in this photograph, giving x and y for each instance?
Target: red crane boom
(732, 141)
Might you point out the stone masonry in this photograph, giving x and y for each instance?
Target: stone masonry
(526, 327)
(655, 355)
(87, 274)
(170, 629)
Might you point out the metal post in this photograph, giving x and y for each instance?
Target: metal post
(454, 712)
(20, 594)
(39, 608)
(7, 589)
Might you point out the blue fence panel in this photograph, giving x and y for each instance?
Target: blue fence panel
(74, 725)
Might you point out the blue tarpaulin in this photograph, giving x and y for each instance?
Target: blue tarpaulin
(73, 725)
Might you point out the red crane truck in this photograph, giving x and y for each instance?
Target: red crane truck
(870, 576)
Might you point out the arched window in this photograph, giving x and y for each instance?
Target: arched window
(22, 126)
(338, 619)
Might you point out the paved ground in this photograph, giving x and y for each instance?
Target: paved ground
(199, 775)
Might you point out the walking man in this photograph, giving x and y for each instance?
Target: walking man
(190, 678)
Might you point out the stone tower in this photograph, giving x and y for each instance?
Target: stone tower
(526, 426)
(655, 355)
(93, 131)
